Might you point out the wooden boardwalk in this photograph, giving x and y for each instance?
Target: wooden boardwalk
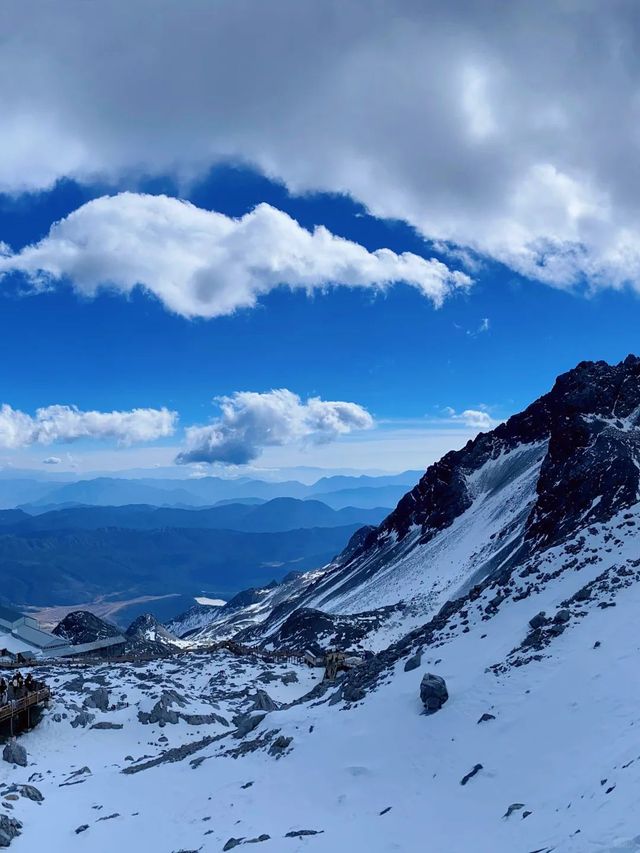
(18, 707)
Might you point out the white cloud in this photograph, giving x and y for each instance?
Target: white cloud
(205, 264)
(52, 460)
(488, 128)
(54, 424)
(251, 422)
(472, 418)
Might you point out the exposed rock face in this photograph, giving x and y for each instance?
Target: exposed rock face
(263, 702)
(310, 629)
(433, 692)
(589, 418)
(15, 753)
(81, 626)
(147, 627)
(162, 712)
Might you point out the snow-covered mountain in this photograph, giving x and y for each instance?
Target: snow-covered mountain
(511, 571)
(570, 460)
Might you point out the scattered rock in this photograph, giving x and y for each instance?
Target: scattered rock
(562, 616)
(105, 724)
(433, 692)
(82, 828)
(29, 791)
(476, 769)
(485, 718)
(231, 843)
(302, 833)
(514, 807)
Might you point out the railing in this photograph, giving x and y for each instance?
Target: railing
(18, 706)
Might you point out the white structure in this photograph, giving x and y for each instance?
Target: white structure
(20, 634)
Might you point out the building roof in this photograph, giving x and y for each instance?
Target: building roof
(83, 648)
(37, 637)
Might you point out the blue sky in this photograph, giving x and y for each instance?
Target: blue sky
(476, 155)
(393, 353)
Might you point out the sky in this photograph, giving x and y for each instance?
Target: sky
(243, 236)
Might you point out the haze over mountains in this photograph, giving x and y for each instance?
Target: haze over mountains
(74, 543)
(336, 492)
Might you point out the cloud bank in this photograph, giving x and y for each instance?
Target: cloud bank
(60, 424)
(487, 126)
(251, 422)
(203, 264)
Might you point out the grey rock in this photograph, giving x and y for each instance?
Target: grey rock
(538, 620)
(10, 828)
(14, 753)
(413, 662)
(352, 693)
(562, 616)
(203, 719)
(246, 723)
(82, 828)
(475, 769)
(105, 724)
(263, 702)
(83, 719)
(514, 807)
(433, 692)
(29, 791)
(280, 745)
(231, 843)
(99, 699)
(162, 712)
(485, 718)
(301, 833)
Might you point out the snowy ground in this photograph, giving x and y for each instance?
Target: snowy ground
(563, 750)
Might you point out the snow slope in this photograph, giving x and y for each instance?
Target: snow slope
(563, 741)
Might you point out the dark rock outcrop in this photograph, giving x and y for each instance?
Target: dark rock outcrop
(81, 626)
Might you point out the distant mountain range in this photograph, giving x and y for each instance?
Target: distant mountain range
(337, 492)
(277, 515)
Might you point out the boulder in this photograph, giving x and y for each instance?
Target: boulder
(99, 699)
(14, 753)
(162, 713)
(10, 828)
(413, 662)
(82, 719)
(433, 692)
(538, 620)
(263, 702)
(562, 616)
